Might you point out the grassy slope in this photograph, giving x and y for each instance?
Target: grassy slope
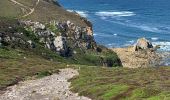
(16, 65)
(9, 10)
(97, 83)
(41, 13)
(123, 84)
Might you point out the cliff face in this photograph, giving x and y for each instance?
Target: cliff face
(48, 30)
(39, 17)
(59, 37)
(66, 39)
(62, 37)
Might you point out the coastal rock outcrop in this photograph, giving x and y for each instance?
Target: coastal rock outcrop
(61, 37)
(141, 55)
(56, 40)
(143, 44)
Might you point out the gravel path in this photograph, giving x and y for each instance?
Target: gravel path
(54, 87)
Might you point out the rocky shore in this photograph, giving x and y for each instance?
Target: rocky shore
(142, 55)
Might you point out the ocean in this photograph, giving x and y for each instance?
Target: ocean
(119, 23)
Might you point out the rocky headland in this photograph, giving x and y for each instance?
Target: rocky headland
(142, 55)
(65, 36)
(41, 38)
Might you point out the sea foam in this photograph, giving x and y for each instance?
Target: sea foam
(154, 38)
(115, 13)
(81, 13)
(144, 27)
(164, 46)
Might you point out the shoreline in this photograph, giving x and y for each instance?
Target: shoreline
(91, 15)
(164, 59)
(143, 59)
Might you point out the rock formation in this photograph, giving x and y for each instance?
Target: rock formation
(61, 37)
(143, 44)
(141, 55)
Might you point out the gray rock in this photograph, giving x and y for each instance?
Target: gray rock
(143, 44)
(59, 43)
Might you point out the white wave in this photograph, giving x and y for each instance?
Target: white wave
(128, 43)
(70, 10)
(148, 28)
(153, 28)
(94, 34)
(144, 27)
(81, 13)
(131, 41)
(111, 45)
(115, 13)
(115, 34)
(154, 38)
(164, 46)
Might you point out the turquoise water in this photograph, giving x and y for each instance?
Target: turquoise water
(119, 23)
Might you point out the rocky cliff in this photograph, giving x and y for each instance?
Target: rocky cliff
(49, 30)
(59, 37)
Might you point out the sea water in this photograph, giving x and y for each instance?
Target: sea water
(119, 23)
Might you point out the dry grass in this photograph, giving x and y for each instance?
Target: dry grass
(44, 12)
(9, 10)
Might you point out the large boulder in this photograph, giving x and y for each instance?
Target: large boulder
(143, 44)
(60, 43)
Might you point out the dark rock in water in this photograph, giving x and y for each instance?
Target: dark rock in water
(143, 44)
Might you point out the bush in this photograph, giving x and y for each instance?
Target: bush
(44, 73)
(53, 28)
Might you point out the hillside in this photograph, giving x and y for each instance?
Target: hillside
(43, 11)
(38, 38)
(62, 42)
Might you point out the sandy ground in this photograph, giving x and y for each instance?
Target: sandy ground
(54, 87)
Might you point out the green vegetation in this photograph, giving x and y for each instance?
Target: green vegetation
(123, 84)
(28, 32)
(53, 28)
(93, 58)
(99, 83)
(9, 10)
(6, 53)
(105, 57)
(43, 74)
(18, 62)
(16, 65)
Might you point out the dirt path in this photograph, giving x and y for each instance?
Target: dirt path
(23, 6)
(54, 87)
